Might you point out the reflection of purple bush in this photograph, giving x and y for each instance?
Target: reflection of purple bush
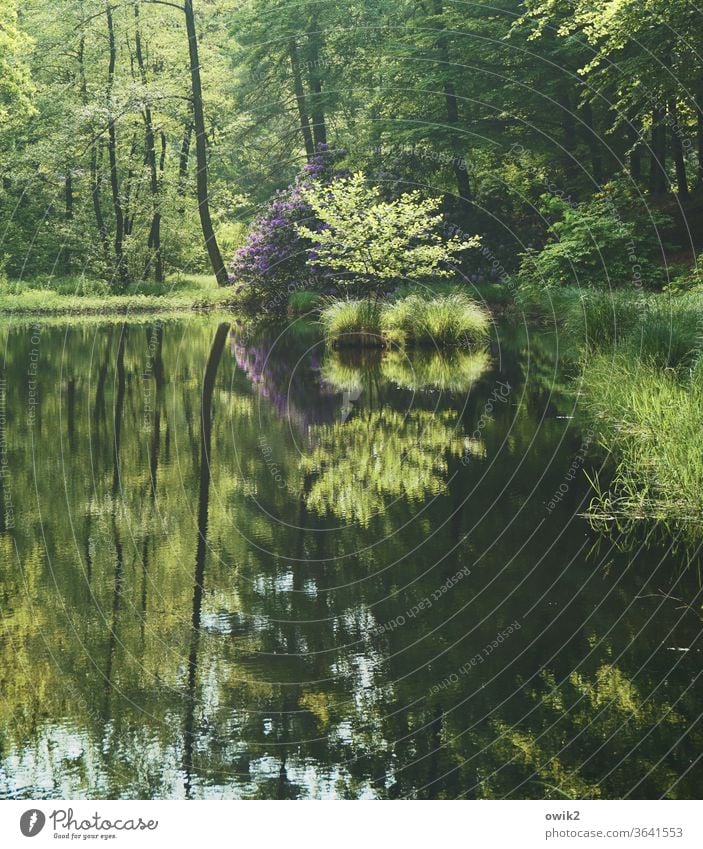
(273, 255)
(293, 395)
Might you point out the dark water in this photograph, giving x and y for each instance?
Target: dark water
(234, 567)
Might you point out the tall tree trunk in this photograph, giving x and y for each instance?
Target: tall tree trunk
(635, 155)
(319, 128)
(120, 266)
(300, 100)
(154, 244)
(213, 248)
(569, 130)
(677, 150)
(127, 204)
(699, 131)
(183, 158)
(452, 107)
(657, 175)
(592, 142)
(68, 214)
(95, 178)
(68, 192)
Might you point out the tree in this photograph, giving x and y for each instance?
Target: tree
(371, 240)
(15, 79)
(213, 248)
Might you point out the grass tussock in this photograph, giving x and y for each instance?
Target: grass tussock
(352, 323)
(452, 320)
(304, 303)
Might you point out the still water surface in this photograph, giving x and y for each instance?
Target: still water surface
(234, 566)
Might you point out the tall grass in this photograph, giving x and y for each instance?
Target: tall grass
(649, 419)
(353, 322)
(442, 321)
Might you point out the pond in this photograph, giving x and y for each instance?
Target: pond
(233, 565)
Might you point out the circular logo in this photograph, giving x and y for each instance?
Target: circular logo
(32, 822)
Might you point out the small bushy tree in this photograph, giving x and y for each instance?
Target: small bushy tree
(369, 240)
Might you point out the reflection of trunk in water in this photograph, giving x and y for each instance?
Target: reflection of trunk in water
(157, 369)
(435, 747)
(71, 413)
(99, 414)
(99, 409)
(119, 560)
(213, 362)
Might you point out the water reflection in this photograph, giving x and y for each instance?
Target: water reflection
(226, 573)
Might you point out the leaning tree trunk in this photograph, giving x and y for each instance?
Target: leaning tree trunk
(213, 248)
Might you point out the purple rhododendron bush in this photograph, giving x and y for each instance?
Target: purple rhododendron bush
(273, 262)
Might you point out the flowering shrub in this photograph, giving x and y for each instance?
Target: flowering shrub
(369, 241)
(273, 260)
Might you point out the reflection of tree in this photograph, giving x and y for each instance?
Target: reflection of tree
(585, 727)
(380, 455)
(283, 374)
(213, 363)
(270, 675)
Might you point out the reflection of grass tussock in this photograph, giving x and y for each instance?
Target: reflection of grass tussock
(350, 371)
(650, 419)
(381, 455)
(448, 371)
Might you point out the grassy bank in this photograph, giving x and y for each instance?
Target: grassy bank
(649, 419)
(641, 372)
(78, 296)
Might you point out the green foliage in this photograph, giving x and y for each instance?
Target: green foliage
(371, 240)
(16, 88)
(609, 241)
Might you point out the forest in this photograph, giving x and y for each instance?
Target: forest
(350, 402)
(123, 123)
